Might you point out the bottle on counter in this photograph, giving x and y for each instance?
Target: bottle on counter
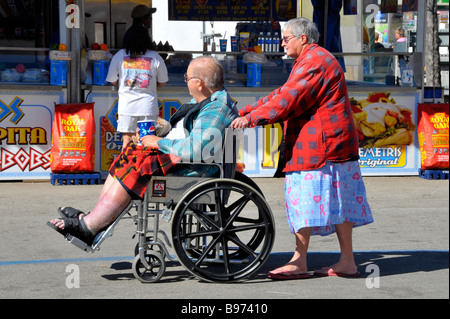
(261, 41)
(276, 43)
(268, 42)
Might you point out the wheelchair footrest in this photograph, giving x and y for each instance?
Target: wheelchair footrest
(76, 179)
(79, 243)
(95, 245)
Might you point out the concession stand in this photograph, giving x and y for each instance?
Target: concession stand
(57, 52)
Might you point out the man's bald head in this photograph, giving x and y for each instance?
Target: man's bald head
(209, 70)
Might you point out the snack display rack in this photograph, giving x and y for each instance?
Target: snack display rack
(76, 179)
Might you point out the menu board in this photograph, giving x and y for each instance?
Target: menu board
(232, 10)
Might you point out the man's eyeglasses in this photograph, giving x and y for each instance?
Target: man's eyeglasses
(287, 39)
(186, 79)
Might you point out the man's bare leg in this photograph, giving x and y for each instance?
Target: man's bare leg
(109, 206)
(113, 200)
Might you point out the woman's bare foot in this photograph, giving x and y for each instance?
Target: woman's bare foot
(293, 267)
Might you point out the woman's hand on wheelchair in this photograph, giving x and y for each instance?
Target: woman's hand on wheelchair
(239, 122)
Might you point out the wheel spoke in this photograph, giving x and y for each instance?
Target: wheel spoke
(225, 255)
(200, 234)
(240, 203)
(218, 197)
(207, 250)
(248, 220)
(236, 209)
(204, 219)
(247, 249)
(247, 227)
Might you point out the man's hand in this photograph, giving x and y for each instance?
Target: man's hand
(240, 122)
(150, 141)
(136, 137)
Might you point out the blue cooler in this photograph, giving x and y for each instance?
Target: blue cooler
(254, 74)
(99, 73)
(58, 72)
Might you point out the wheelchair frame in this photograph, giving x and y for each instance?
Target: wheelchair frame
(207, 215)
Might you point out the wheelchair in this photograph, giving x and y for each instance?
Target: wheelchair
(222, 228)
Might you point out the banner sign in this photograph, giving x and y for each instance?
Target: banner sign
(381, 152)
(386, 123)
(233, 10)
(26, 133)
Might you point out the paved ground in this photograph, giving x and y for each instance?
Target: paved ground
(408, 244)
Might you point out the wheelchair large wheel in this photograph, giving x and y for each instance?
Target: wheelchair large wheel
(258, 234)
(216, 231)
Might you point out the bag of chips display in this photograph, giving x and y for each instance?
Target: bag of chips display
(433, 134)
(73, 146)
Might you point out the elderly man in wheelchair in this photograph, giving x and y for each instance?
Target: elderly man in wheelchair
(205, 224)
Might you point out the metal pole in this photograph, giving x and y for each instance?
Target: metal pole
(74, 79)
(420, 41)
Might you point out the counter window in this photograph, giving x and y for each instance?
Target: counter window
(27, 29)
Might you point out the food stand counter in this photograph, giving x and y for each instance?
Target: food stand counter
(260, 150)
(27, 110)
(26, 114)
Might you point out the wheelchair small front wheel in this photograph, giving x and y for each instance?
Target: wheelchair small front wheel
(150, 274)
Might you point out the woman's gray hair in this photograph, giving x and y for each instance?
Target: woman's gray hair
(210, 71)
(299, 26)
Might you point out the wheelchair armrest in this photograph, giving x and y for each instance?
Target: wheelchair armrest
(226, 160)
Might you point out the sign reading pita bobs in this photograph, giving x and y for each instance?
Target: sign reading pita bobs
(232, 10)
(26, 133)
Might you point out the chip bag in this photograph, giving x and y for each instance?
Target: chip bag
(73, 146)
(433, 134)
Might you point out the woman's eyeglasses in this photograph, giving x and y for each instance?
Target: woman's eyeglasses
(287, 39)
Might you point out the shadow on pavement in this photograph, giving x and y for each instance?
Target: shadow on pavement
(389, 262)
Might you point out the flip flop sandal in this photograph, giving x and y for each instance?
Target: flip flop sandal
(287, 275)
(75, 227)
(69, 212)
(331, 273)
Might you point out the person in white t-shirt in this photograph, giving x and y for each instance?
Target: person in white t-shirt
(137, 71)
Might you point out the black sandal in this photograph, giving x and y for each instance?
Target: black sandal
(69, 212)
(75, 227)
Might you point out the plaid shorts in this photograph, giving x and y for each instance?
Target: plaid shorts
(135, 166)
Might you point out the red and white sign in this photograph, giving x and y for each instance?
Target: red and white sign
(26, 133)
